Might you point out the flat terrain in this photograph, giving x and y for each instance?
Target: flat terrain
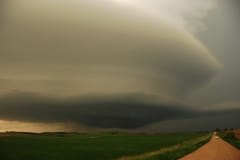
(216, 149)
(173, 152)
(102, 146)
(231, 137)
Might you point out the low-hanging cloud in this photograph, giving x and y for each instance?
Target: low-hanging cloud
(125, 112)
(97, 47)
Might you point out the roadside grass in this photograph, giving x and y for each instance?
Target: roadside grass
(230, 138)
(90, 146)
(172, 153)
(180, 152)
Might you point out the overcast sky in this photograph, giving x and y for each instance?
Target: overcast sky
(128, 64)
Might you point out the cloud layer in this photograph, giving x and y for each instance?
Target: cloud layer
(88, 47)
(110, 55)
(187, 14)
(126, 112)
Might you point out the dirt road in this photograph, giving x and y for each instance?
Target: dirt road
(215, 149)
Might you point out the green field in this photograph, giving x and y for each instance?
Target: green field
(230, 137)
(101, 146)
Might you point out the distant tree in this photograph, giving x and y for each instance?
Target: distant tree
(217, 130)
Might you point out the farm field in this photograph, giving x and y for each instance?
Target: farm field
(231, 137)
(97, 146)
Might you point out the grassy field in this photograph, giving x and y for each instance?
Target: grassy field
(102, 146)
(173, 152)
(181, 150)
(230, 137)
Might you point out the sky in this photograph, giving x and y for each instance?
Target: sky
(145, 65)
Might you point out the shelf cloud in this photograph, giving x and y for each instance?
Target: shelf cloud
(69, 47)
(61, 49)
(121, 112)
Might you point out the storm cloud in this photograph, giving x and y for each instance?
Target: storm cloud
(120, 112)
(103, 64)
(86, 47)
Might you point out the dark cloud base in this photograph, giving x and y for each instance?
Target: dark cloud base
(124, 112)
